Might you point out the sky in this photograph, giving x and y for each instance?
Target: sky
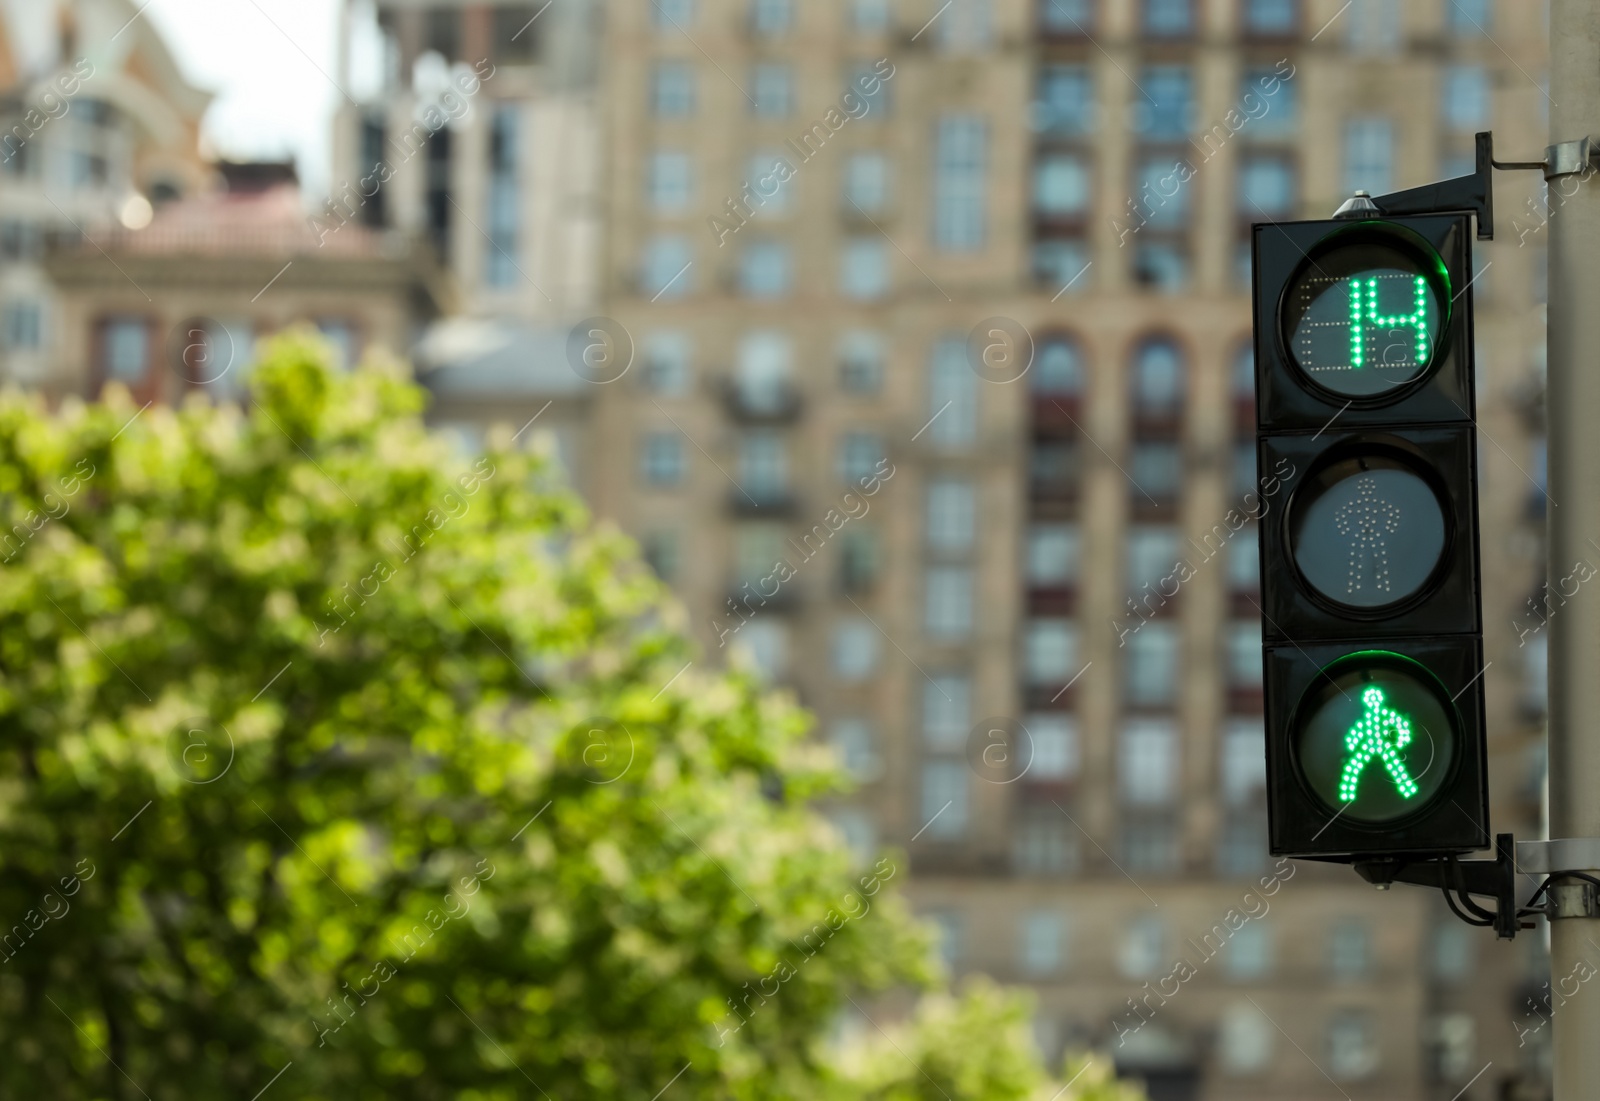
(271, 66)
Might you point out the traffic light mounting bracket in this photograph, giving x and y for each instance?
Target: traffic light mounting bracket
(1493, 878)
(1472, 194)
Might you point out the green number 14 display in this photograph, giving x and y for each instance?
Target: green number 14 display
(1364, 333)
(1366, 323)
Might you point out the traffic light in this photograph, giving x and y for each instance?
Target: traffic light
(1371, 620)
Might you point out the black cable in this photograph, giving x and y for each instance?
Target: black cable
(1488, 916)
(1451, 902)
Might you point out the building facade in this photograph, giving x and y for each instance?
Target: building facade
(923, 377)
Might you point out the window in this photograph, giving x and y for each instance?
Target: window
(664, 270)
(1058, 370)
(1144, 947)
(23, 328)
(666, 363)
(965, 27)
(960, 156)
(756, 551)
(870, 16)
(1270, 17)
(1352, 1045)
(1469, 17)
(1451, 959)
(1168, 113)
(1266, 188)
(1242, 845)
(1161, 266)
(516, 36)
(951, 940)
(765, 644)
(19, 240)
(1466, 97)
(1248, 955)
(1349, 949)
(944, 799)
(342, 338)
(1053, 555)
(1150, 843)
(1147, 762)
(1244, 560)
(1243, 379)
(1156, 470)
(1374, 26)
(771, 16)
(1062, 264)
(1368, 154)
(662, 460)
(857, 746)
(858, 559)
(946, 710)
(947, 601)
(1039, 942)
(1054, 467)
(859, 456)
(764, 270)
(1158, 379)
(1060, 185)
(1065, 103)
(1244, 761)
(763, 465)
(661, 552)
(1151, 665)
(952, 395)
(127, 349)
(1152, 556)
(1244, 468)
(762, 370)
(866, 182)
(1163, 193)
(861, 363)
(504, 193)
(864, 268)
(670, 183)
(772, 88)
(1244, 1040)
(1168, 17)
(855, 649)
(1055, 746)
(673, 13)
(1273, 96)
(952, 510)
(1049, 651)
(873, 89)
(672, 89)
(1044, 842)
(1244, 654)
(1066, 16)
(773, 193)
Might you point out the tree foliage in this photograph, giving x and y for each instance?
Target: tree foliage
(327, 753)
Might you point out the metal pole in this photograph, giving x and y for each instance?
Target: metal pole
(1574, 531)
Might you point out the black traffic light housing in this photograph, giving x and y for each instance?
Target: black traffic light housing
(1372, 622)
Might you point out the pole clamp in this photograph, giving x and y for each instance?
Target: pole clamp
(1568, 158)
(1565, 856)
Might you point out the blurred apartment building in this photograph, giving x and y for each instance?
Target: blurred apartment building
(125, 255)
(1018, 164)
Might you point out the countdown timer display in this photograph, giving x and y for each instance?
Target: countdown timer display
(1365, 318)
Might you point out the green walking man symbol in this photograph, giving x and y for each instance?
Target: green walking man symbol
(1380, 732)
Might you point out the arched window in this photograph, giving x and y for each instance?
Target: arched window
(1158, 379)
(1058, 369)
(1244, 372)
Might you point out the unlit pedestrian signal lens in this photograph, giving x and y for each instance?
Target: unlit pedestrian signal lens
(1367, 532)
(1376, 737)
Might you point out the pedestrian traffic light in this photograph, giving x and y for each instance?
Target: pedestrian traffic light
(1372, 630)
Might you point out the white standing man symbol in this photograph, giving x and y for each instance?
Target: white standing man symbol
(1367, 521)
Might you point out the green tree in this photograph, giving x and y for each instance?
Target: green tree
(327, 754)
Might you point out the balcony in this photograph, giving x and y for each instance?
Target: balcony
(760, 403)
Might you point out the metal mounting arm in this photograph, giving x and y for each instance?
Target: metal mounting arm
(1495, 878)
(1473, 194)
